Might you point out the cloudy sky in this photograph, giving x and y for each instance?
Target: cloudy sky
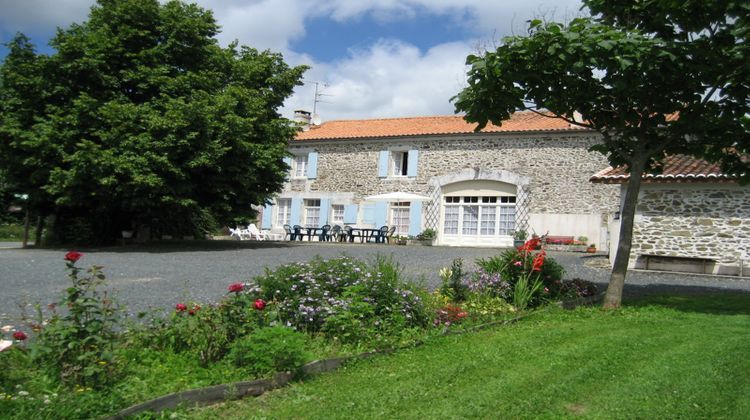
(372, 58)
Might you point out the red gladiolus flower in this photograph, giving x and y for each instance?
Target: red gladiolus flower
(235, 287)
(180, 307)
(19, 335)
(538, 262)
(260, 304)
(73, 256)
(530, 245)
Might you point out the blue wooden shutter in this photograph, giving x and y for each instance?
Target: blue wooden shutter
(312, 165)
(415, 218)
(383, 161)
(325, 208)
(295, 213)
(368, 214)
(288, 162)
(350, 213)
(413, 158)
(381, 209)
(267, 215)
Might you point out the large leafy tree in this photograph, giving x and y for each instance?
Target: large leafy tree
(654, 78)
(141, 118)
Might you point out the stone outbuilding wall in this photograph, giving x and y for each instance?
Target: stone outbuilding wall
(694, 220)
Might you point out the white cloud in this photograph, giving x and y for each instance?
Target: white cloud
(389, 79)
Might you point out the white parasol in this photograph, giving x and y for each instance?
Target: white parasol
(398, 197)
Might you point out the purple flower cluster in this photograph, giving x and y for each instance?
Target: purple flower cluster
(490, 284)
(306, 294)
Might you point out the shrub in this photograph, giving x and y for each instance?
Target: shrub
(308, 295)
(453, 285)
(576, 288)
(78, 346)
(268, 350)
(486, 307)
(532, 276)
(449, 315)
(485, 283)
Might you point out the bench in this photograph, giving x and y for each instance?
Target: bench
(678, 263)
(559, 240)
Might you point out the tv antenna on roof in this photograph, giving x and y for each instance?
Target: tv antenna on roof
(319, 86)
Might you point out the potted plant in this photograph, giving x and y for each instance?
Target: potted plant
(427, 236)
(591, 249)
(519, 237)
(400, 240)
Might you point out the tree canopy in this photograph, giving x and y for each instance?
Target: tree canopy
(141, 118)
(654, 78)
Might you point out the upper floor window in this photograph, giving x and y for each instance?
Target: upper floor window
(400, 165)
(299, 166)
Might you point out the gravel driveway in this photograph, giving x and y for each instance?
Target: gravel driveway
(162, 274)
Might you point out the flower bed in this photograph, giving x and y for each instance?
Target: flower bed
(73, 363)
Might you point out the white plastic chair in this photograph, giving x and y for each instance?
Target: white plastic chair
(240, 233)
(254, 232)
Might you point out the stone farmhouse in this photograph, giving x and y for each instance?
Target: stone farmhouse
(531, 173)
(690, 217)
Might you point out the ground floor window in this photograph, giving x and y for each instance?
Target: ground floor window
(400, 218)
(284, 214)
(337, 214)
(312, 213)
(477, 215)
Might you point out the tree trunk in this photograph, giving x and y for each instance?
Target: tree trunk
(613, 298)
(26, 228)
(39, 229)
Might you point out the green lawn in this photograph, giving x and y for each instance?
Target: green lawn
(663, 357)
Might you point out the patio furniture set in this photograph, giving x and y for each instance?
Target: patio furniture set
(328, 233)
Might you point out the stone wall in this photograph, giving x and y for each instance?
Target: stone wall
(693, 220)
(558, 164)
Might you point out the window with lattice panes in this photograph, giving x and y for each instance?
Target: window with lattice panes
(312, 213)
(451, 219)
(337, 214)
(284, 211)
(400, 218)
(479, 215)
(299, 166)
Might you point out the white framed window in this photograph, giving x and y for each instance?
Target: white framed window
(299, 166)
(400, 163)
(450, 226)
(337, 214)
(312, 213)
(478, 215)
(400, 217)
(284, 211)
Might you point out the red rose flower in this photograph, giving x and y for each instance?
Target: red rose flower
(260, 304)
(73, 256)
(235, 287)
(19, 335)
(180, 307)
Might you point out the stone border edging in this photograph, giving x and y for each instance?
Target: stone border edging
(237, 390)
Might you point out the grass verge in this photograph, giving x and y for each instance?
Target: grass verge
(663, 357)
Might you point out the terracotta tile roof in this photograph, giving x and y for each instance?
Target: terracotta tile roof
(421, 126)
(676, 168)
